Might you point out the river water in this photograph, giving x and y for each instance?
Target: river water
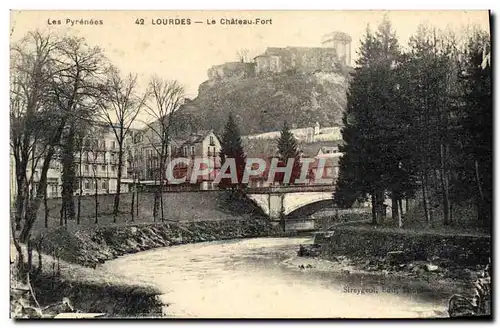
(261, 278)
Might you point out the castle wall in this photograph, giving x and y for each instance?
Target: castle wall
(231, 69)
(297, 58)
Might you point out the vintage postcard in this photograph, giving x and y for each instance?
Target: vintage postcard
(250, 164)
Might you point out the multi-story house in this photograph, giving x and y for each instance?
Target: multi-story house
(144, 158)
(96, 167)
(205, 146)
(97, 164)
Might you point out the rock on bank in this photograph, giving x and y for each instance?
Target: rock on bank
(92, 246)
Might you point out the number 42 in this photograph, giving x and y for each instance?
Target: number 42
(139, 21)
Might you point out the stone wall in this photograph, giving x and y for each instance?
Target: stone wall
(179, 206)
(231, 69)
(87, 205)
(370, 242)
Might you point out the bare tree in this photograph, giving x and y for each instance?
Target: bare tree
(166, 97)
(242, 55)
(36, 126)
(120, 109)
(77, 87)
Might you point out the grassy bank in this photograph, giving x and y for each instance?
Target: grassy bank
(90, 246)
(88, 290)
(70, 256)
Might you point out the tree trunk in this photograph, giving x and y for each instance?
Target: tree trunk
(400, 205)
(68, 176)
(374, 209)
(79, 207)
(132, 205)
(20, 199)
(29, 246)
(155, 204)
(407, 205)
(444, 187)
(46, 209)
(80, 187)
(451, 212)
(400, 213)
(161, 188)
(424, 199)
(118, 181)
(96, 197)
(34, 204)
(137, 200)
(395, 207)
(20, 256)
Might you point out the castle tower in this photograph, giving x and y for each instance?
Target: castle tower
(341, 42)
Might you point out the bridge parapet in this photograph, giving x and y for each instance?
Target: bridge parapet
(281, 189)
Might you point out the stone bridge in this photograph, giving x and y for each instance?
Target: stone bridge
(285, 200)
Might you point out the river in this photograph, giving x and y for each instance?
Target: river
(261, 278)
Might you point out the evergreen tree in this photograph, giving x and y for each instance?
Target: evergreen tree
(474, 171)
(287, 149)
(231, 148)
(370, 132)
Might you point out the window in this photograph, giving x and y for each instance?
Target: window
(113, 168)
(87, 184)
(94, 167)
(208, 153)
(86, 168)
(112, 145)
(192, 150)
(103, 167)
(185, 150)
(212, 141)
(104, 184)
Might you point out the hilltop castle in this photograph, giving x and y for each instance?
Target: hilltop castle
(335, 51)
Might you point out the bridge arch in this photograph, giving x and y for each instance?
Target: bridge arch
(311, 208)
(295, 201)
(274, 203)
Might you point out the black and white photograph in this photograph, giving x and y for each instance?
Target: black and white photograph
(250, 164)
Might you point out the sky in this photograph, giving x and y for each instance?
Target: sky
(186, 52)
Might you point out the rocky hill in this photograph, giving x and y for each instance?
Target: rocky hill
(261, 103)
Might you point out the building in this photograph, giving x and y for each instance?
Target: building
(96, 167)
(333, 54)
(203, 145)
(341, 42)
(304, 135)
(97, 163)
(300, 59)
(321, 144)
(144, 158)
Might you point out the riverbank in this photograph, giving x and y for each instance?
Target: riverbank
(91, 246)
(251, 278)
(69, 258)
(439, 262)
(61, 287)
